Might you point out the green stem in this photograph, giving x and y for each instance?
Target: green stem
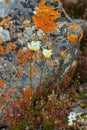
(30, 72)
(42, 73)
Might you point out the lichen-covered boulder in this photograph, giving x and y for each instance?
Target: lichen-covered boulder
(39, 45)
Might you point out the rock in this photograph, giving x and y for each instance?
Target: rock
(6, 7)
(43, 22)
(83, 24)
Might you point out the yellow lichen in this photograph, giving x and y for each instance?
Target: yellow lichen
(45, 17)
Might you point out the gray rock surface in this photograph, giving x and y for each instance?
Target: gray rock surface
(64, 50)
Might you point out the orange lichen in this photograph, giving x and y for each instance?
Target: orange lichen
(1, 41)
(23, 57)
(4, 21)
(11, 90)
(4, 92)
(20, 52)
(42, 2)
(74, 27)
(30, 76)
(34, 58)
(73, 38)
(6, 1)
(45, 17)
(1, 83)
(33, 70)
(19, 74)
(26, 25)
(54, 63)
(63, 53)
(1, 50)
(21, 19)
(6, 97)
(10, 46)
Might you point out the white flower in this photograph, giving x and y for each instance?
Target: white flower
(71, 118)
(47, 53)
(34, 46)
(70, 122)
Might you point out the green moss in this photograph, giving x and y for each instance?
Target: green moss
(48, 126)
(21, 125)
(82, 95)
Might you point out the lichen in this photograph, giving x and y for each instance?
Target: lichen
(45, 17)
(73, 38)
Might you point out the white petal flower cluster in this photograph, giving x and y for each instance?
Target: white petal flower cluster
(47, 53)
(4, 34)
(34, 46)
(72, 117)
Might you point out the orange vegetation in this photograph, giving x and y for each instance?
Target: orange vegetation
(27, 94)
(28, 91)
(1, 50)
(45, 17)
(73, 38)
(1, 83)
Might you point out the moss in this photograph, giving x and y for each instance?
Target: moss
(49, 126)
(82, 95)
(20, 125)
